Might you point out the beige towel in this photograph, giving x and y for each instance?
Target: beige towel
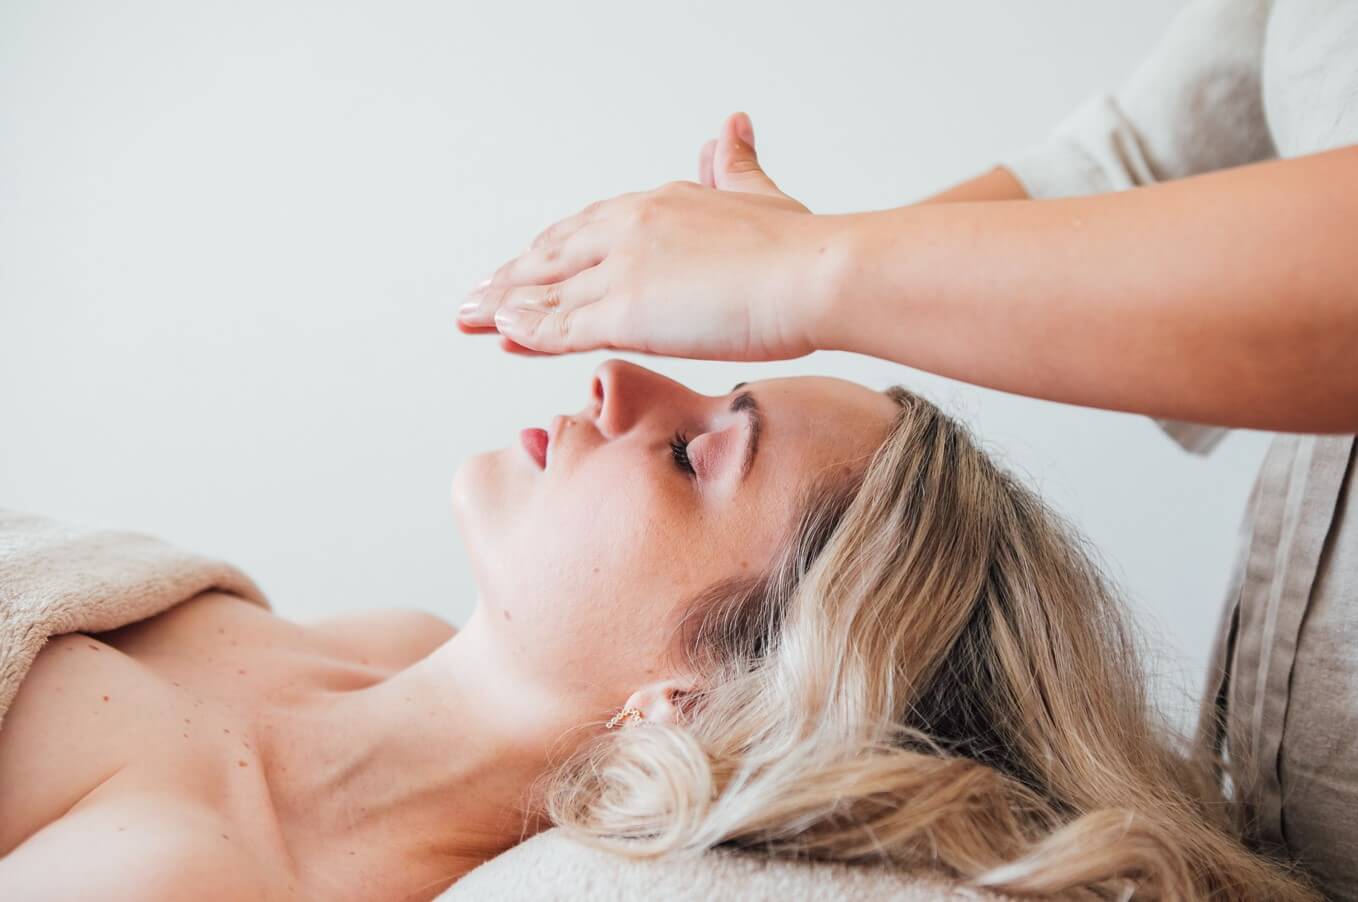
(551, 867)
(58, 577)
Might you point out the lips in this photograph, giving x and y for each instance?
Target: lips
(535, 443)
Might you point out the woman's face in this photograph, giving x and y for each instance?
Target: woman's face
(582, 566)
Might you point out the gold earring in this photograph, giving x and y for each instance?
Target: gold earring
(626, 715)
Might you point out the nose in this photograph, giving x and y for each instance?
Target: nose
(622, 394)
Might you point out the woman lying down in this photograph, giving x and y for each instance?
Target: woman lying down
(805, 618)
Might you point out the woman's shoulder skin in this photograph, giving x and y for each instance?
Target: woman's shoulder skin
(143, 740)
(390, 638)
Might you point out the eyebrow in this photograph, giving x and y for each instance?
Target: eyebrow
(746, 404)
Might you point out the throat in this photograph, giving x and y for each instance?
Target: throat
(412, 775)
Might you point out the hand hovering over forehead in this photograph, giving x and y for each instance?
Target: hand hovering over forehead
(719, 269)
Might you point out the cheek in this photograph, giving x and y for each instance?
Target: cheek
(599, 541)
(587, 578)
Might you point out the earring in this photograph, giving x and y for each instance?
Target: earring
(626, 715)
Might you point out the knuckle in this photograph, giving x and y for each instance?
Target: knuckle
(544, 237)
(646, 209)
(564, 321)
(531, 325)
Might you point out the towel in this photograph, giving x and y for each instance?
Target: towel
(551, 866)
(58, 577)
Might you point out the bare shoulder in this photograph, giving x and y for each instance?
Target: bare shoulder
(395, 638)
(161, 852)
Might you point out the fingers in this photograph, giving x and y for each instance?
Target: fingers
(513, 347)
(483, 313)
(705, 155)
(735, 166)
(556, 332)
(559, 231)
(537, 270)
(474, 330)
(506, 344)
(556, 253)
(551, 261)
(558, 318)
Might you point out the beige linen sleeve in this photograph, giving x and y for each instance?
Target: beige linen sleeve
(1194, 104)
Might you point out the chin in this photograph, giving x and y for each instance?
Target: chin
(480, 474)
(463, 489)
(485, 503)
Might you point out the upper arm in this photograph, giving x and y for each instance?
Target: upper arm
(118, 854)
(1194, 104)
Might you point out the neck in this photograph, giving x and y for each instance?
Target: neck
(420, 777)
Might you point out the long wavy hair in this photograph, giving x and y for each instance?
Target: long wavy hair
(934, 673)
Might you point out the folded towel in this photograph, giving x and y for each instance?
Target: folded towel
(551, 866)
(58, 577)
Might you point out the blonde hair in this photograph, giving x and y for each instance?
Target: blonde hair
(933, 673)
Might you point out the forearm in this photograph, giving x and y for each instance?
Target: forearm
(996, 183)
(1228, 298)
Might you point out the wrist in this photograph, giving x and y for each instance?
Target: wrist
(835, 248)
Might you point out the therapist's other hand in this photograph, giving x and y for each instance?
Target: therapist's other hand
(719, 270)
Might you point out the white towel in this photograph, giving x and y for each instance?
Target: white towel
(551, 867)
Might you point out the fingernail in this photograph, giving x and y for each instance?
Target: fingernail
(483, 283)
(745, 129)
(508, 319)
(477, 309)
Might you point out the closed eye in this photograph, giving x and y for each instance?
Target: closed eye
(679, 448)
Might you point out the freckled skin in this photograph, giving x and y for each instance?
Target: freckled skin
(153, 683)
(588, 561)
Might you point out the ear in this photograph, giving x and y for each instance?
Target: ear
(660, 702)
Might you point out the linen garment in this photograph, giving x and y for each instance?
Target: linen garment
(1233, 82)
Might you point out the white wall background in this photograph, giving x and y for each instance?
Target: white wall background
(233, 237)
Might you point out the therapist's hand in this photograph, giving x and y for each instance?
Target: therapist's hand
(721, 269)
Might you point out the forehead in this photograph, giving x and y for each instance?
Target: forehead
(813, 422)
